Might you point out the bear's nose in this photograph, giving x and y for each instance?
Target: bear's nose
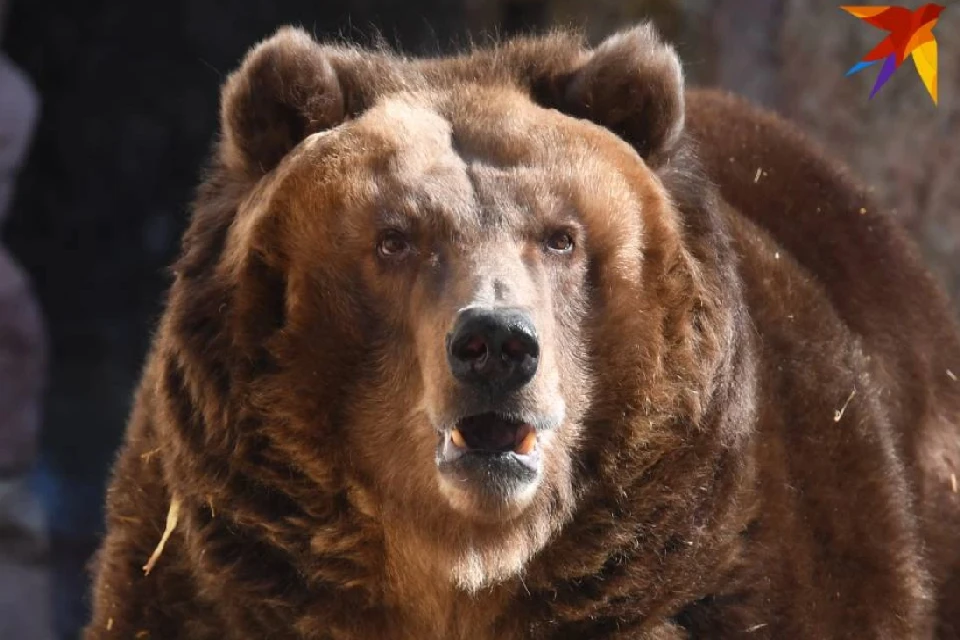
(496, 348)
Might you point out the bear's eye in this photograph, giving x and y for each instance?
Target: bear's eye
(560, 242)
(393, 245)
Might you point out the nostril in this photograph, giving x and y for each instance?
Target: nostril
(519, 347)
(472, 349)
(514, 349)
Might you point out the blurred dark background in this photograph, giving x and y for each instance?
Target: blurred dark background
(128, 97)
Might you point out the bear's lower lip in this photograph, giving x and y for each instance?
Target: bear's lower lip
(501, 473)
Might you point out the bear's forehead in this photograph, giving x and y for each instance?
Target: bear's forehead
(426, 130)
(467, 154)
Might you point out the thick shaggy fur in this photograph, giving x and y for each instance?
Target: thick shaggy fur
(761, 432)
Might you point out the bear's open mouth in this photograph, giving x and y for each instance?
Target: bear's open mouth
(493, 433)
(491, 451)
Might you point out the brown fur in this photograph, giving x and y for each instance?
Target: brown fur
(758, 424)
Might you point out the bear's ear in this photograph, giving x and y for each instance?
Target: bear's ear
(285, 89)
(632, 84)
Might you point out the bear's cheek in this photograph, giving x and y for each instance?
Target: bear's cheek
(569, 344)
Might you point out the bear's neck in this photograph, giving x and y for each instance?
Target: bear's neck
(424, 584)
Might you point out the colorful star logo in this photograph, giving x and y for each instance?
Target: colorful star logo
(911, 34)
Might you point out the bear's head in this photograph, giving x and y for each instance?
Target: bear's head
(444, 296)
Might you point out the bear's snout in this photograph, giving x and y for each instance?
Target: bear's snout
(496, 349)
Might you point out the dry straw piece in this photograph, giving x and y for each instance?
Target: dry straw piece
(837, 415)
(172, 515)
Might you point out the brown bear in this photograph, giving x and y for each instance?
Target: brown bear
(533, 343)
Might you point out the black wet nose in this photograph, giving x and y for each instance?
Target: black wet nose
(493, 347)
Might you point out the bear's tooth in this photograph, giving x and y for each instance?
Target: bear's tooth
(528, 443)
(457, 438)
